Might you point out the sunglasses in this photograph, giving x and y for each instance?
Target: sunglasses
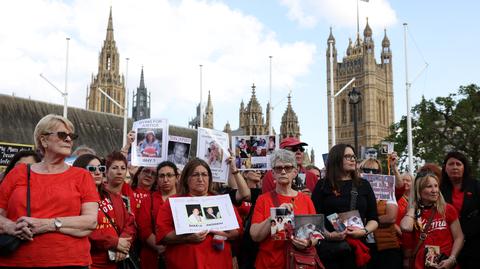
(295, 149)
(64, 135)
(279, 169)
(370, 171)
(93, 169)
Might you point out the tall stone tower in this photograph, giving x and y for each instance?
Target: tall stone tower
(289, 126)
(208, 117)
(375, 83)
(141, 101)
(108, 78)
(251, 117)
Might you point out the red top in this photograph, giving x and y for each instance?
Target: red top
(271, 253)
(51, 196)
(406, 240)
(192, 255)
(104, 237)
(268, 184)
(146, 226)
(439, 233)
(140, 195)
(127, 191)
(457, 199)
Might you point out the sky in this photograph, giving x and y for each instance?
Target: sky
(232, 40)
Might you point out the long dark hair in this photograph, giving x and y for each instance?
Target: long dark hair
(188, 171)
(18, 156)
(335, 166)
(83, 160)
(446, 183)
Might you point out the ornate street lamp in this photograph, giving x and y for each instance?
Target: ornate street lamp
(354, 98)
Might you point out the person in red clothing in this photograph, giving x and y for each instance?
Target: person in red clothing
(112, 239)
(272, 252)
(143, 184)
(63, 204)
(196, 250)
(151, 254)
(443, 230)
(94, 165)
(304, 180)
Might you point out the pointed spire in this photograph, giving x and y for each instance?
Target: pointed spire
(209, 102)
(350, 47)
(110, 26)
(368, 31)
(330, 37)
(142, 80)
(289, 100)
(253, 90)
(385, 41)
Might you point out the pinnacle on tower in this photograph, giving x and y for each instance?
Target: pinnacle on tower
(385, 41)
(142, 80)
(110, 27)
(368, 31)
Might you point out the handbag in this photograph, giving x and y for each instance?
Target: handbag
(299, 259)
(130, 261)
(10, 243)
(334, 250)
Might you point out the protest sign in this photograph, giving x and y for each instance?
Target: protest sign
(212, 147)
(149, 147)
(201, 213)
(253, 152)
(8, 150)
(178, 150)
(387, 147)
(383, 185)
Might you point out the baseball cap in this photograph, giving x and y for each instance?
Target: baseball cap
(291, 142)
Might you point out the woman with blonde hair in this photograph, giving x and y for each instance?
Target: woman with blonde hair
(433, 221)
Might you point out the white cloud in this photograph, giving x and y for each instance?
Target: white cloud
(170, 39)
(340, 13)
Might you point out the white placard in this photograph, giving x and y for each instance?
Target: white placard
(212, 147)
(383, 185)
(179, 150)
(253, 152)
(149, 147)
(201, 213)
(387, 147)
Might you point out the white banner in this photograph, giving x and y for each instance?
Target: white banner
(383, 186)
(212, 147)
(150, 147)
(201, 213)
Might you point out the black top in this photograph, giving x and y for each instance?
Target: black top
(327, 202)
(254, 193)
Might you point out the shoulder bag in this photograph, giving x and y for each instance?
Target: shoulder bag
(296, 258)
(130, 262)
(10, 243)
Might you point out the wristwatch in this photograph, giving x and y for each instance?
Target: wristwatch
(366, 231)
(58, 224)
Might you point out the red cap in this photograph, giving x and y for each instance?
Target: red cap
(291, 142)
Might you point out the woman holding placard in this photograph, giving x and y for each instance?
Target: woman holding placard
(196, 250)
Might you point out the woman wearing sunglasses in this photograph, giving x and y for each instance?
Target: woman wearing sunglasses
(94, 165)
(151, 254)
(63, 200)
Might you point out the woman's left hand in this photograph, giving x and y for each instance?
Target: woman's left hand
(119, 256)
(356, 233)
(301, 243)
(38, 226)
(446, 264)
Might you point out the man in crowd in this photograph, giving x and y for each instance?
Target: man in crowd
(309, 179)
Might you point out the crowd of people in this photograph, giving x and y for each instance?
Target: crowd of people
(102, 212)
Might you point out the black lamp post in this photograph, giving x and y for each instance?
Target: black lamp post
(354, 97)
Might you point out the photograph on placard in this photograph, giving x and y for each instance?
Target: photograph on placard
(149, 147)
(212, 147)
(178, 150)
(253, 152)
(309, 226)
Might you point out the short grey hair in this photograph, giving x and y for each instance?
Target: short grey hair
(83, 149)
(284, 156)
(46, 125)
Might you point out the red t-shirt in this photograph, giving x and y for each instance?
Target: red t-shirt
(105, 237)
(271, 253)
(457, 199)
(406, 240)
(439, 233)
(51, 196)
(127, 191)
(192, 255)
(148, 256)
(268, 183)
(140, 195)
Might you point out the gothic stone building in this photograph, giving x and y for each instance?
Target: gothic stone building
(375, 83)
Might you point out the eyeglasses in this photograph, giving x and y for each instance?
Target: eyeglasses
(149, 173)
(279, 169)
(370, 170)
(93, 169)
(198, 175)
(350, 157)
(63, 135)
(295, 149)
(167, 175)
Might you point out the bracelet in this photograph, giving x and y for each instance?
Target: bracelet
(366, 231)
(235, 172)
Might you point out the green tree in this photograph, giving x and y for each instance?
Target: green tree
(442, 125)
